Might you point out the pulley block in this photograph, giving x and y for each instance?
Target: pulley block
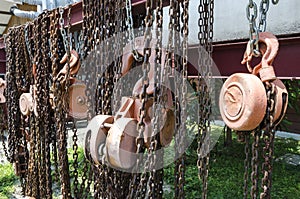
(95, 136)
(281, 101)
(243, 97)
(77, 101)
(27, 103)
(243, 102)
(2, 88)
(121, 143)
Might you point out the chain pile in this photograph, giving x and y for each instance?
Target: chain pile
(35, 137)
(37, 142)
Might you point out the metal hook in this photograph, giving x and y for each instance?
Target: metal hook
(268, 48)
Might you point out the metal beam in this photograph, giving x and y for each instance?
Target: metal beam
(3, 24)
(227, 56)
(5, 12)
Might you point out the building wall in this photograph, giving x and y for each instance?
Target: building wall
(231, 23)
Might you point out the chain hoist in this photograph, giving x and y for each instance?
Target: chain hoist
(262, 111)
(103, 137)
(266, 100)
(46, 79)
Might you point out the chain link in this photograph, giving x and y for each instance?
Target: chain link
(253, 32)
(246, 164)
(252, 13)
(154, 183)
(137, 184)
(177, 80)
(59, 87)
(263, 9)
(268, 137)
(205, 37)
(254, 165)
(129, 23)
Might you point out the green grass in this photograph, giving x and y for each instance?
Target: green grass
(227, 170)
(7, 180)
(225, 174)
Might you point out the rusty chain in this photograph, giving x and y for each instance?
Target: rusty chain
(177, 66)
(59, 88)
(11, 92)
(254, 164)
(182, 96)
(3, 127)
(155, 180)
(268, 138)
(129, 23)
(205, 37)
(32, 176)
(40, 128)
(16, 133)
(85, 50)
(138, 182)
(268, 133)
(38, 82)
(246, 164)
(254, 28)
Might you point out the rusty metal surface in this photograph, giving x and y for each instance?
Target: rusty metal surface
(286, 64)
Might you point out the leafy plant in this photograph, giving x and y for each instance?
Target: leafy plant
(293, 87)
(7, 180)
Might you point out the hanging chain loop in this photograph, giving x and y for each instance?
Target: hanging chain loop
(253, 32)
(129, 23)
(252, 13)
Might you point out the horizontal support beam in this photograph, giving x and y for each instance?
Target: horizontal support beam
(5, 12)
(226, 56)
(3, 24)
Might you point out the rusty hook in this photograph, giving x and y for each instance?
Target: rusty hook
(268, 47)
(74, 64)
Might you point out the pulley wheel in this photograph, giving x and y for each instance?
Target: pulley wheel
(77, 101)
(2, 88)
(26, 103)
(121, 143)
(281, 101)
(96, 135)
(243, 102)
